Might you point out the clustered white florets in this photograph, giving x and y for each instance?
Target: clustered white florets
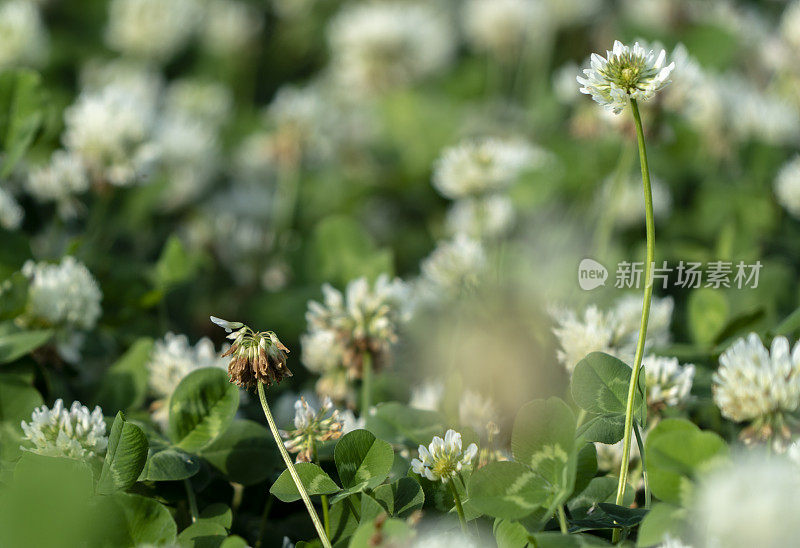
(625, 73)
(62, 295)
(59, 432)
(11, 213)
(455, 267)
(753, 382)
(668, 382)
(614, 332)
(443, 458)
(787, 186)
(365, 319)
(59, 181)
(312, 427)
(24, 35)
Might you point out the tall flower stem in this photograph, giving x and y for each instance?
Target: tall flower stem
(562, 520)
(292, 471)
(459, 508)
(323, 498)
(366, 384)
(648, 294)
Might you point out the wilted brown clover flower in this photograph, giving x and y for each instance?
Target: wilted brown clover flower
(256, 356)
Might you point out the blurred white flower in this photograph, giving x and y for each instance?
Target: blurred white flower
(625, 73)
(671, 542)
(206, 101)
(312, 427)
(614, 332)
(375, 46)
(759, 385)
(229, 26)
(62, 295)
(564, 83)
(11, 213)
(478, 412)
(751, 503)
(427, 396)
(668, 383)
(503, 27)
(787, 186)
(59, 181)
(171, 359)
(321, 351)
(350, 422)
(753, 113)
(483, 217)
(444, 539)
(790, 24)
(151, 29)
(111, 130)
(136, 79)
(24, 37)
(365, 319)
(75, 433)
(455, 267)
(443, 458)
(626, 200)
(484, 166)
(687, 77)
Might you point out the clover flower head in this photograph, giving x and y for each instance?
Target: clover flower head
(427, 396)
(11, 213)
(787, 187)
(229, 26)
(62, 295)
(478, 412)
(582, 335)
(454, 268)
(479, 167)
(24, 34)
(207, 101)
(759, 385)
(625, 73)
(502, 27)
(312, 427)
(481, 217)
(59, 432)
(668, 382)
(443, 458)
(364, 319)
(59, 181)
(256, 356)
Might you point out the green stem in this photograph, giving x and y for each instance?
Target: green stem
(324, 498)
(366, 384)
(647, 496)
(581, 418)
(562, 520)
(192, 500)
(459, 507)
(353, 509)
(262, 529)
(648, 293)
(292, 471)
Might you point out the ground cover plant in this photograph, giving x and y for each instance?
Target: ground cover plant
(363, 273)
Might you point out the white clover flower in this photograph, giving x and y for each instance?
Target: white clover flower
(790, 24)
(138, 80)
(609, 457)
(480, 167)
(206, 101)
(625, 73)
(753, 113)
(427, 396)
(350, 422)
(312, 427)
(478, 412)
(564, 83)
(111, 130)
(671, 542)
(364, 319)
(24, 37)
(11, 213)
(751, 503)
(443, 458)
(687, 77)
(301, 118)
(668, 383)
(59, 181)
(444, 539)
(321, 351)
(62, 295)
(787, 186)
(375, 46)
(75, 433)
(754, 384)
(627, 200)
(229, 26)
(151, 29)
(172, 358)
(484, 217)
(455, 267)
(614, 332)
(502, 27)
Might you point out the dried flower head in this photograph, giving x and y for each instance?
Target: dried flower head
(256, 356)
(75, 433)
(443, 458)
(312, 427)
(759, 385)
(625, 73)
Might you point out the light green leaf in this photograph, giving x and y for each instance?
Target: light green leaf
(202, 534)
(507, 490)
(600, 385)
(662, 520)
(169, 464)
(401, 497)
(21, 113)
(201, 408)
(146, 520)
(314, 479)
(394, 532)
(175, 265)
(18, 399)
(557, 540)
(13, 296)
(362, 460)
(125, 456)
(218, 513)
(708, 314)
(15, 345)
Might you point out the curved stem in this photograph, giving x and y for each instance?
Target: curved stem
(640, 444)
(292, 471)
(648, 294)
(562, 520)
(366, 384)
(459, 507)
(192, 500)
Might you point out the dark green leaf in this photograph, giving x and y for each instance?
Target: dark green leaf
(125, 456)
(401, 497)
(124, 385)
(245, 452)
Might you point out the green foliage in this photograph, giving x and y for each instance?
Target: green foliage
(124, 385)
(17, 399)
(125, 456)
(245, 453)
(362, 461)
(169, 464)
(313, 478)
(22, 103)
(16, 344)
(201, 408)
